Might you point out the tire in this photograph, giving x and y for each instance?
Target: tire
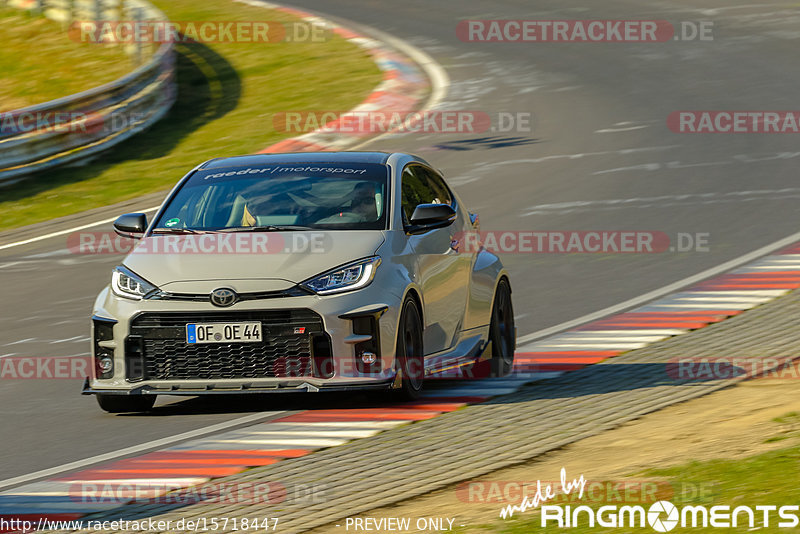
(409, 360)
(502, 332)
(126, 403)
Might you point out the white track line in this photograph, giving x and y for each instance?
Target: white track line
(636, 331)
(720, 300)
(280, 432)
(629, 337)
(338, 424)
(68, 231)
(667, 289)
(708, 306)
(136, 448)
(302, 443)
(562, 347)
(768, 293)
(174, 482)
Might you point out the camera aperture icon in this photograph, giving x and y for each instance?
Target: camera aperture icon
(662, 516)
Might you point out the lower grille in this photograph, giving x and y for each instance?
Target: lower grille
(175, 360)
(159, 341)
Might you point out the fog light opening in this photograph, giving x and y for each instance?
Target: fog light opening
(105, 363)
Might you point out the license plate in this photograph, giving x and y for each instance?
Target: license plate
(198, 333)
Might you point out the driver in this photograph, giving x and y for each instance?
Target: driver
(363, 202)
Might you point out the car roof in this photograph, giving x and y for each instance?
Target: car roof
(298, 157)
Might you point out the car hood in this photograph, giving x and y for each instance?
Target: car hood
(252, 261)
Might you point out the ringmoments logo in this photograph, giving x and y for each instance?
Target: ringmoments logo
(663, 516)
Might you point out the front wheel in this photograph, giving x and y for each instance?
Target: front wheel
(125, 403)
(409, 359)
(502, 332)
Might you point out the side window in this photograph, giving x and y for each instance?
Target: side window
(422, 186)
(441, 192)
(191, 211)
(415, 191)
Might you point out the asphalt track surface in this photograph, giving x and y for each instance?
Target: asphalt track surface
(600, 157)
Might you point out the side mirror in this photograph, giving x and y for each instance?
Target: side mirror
(131, 225)
(432, 213)
(428, 216)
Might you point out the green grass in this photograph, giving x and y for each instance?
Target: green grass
(791, 418)
(766, 479)
(39, 61)
(790, 427)
(227, 95)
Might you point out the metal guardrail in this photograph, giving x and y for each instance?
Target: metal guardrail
(79, 126)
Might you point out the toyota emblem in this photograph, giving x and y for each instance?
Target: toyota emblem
(223, 297)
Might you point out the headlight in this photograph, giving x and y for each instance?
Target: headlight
(126, 283)
(346, 278)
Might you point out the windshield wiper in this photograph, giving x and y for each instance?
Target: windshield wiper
(176, 231)
(266, 228)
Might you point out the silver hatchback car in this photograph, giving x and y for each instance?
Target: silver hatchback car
(332, 271)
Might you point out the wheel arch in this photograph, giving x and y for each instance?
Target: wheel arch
(413, 292)
(487, 271)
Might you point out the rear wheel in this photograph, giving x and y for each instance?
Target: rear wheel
(502, 332)
(125, 403)
(409, 360)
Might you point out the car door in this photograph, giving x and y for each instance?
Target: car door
(442, 271)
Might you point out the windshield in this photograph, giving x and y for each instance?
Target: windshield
(278, 197)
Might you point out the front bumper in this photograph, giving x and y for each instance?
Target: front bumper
(339, 315)
(283, 387)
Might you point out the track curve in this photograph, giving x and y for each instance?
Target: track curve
(582, 168)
